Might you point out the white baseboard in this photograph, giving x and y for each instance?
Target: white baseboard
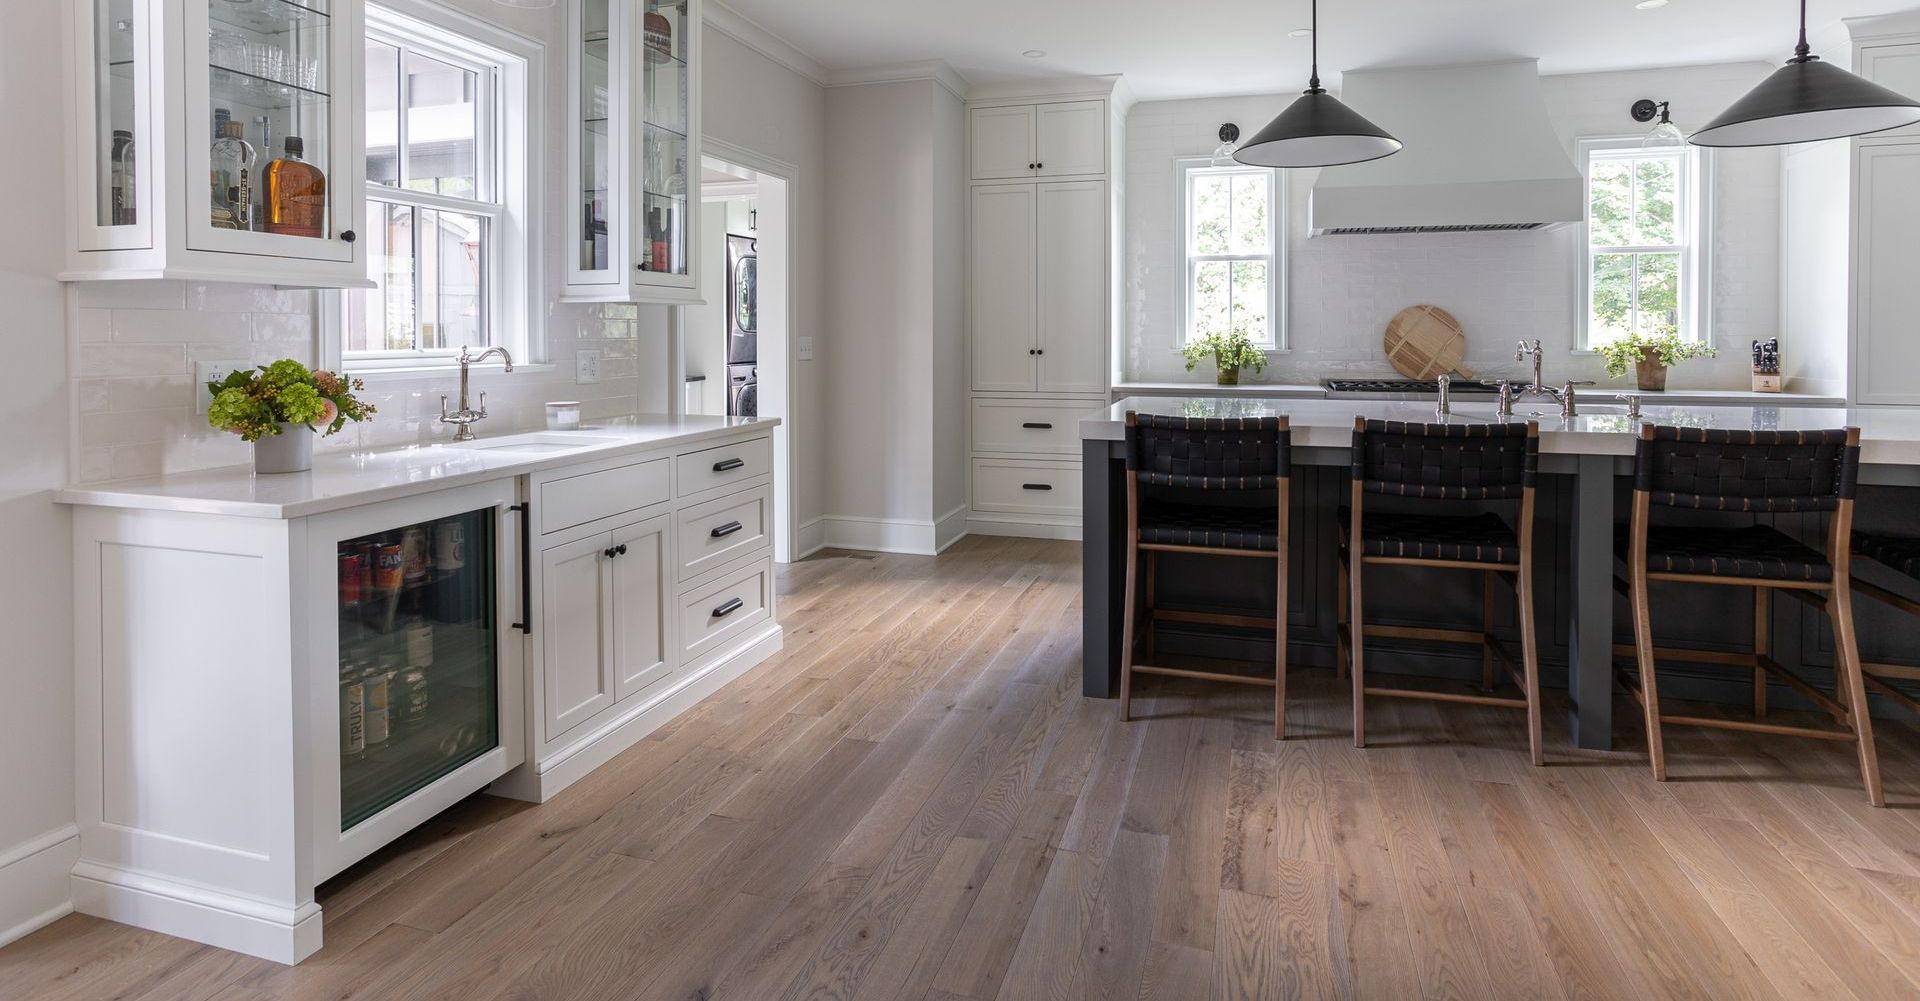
(35, 885)
(538, 782)
(809, 538)
(880, 535)
(238, 924)
(949, 528)
(1023, 526)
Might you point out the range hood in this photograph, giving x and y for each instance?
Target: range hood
(1480, 155)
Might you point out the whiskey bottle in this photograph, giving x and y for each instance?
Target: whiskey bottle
(294, 194)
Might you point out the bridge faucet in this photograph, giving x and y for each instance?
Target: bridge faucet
(1533, 387)
(466, 416)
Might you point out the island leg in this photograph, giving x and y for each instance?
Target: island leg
(1590, 652)
(1099, 542)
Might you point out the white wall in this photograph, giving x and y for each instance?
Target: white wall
(704, 326)
(949, 306)
(1503, 287)
(37, 838)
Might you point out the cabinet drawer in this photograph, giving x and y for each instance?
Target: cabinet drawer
(576, 500)
(1028, 427)
(712, 615)
(720, 531)
(723, 466)
(1036, 487)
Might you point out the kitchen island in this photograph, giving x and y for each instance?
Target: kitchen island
(1585, 462)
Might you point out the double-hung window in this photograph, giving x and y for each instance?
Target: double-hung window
(1232, 224)
(1644, 267)
(450, 242)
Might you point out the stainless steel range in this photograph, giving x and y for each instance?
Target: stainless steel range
(1401, 389)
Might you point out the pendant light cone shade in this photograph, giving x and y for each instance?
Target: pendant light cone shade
(1807, 101)
(1316, 130)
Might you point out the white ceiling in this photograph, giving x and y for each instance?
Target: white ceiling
(1189, 48)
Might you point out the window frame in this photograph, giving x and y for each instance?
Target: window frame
(508, 168)
(1185, 169)
(1693, 214)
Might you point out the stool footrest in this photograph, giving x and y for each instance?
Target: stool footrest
(1184, 672)
(1419, 693)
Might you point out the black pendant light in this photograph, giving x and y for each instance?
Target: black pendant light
(1808, 100)
(1316, 130)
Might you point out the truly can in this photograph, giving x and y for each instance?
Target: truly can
(414, 552)
(378, 720)
(349, 579)
(353, 717)
(450, 546)
(389, 568)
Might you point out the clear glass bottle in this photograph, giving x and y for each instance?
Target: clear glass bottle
(294, 194)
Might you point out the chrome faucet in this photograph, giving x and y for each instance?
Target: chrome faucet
(1562, 396)
(465, 416)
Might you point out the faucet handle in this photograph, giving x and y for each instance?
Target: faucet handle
(483, 404)
(443, 406)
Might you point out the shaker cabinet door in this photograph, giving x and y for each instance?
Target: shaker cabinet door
(1072, 287)
(1886, 355)
(576, 633)
(642, 567)
(1072, 138)
(1003, 142)
(1001, 287)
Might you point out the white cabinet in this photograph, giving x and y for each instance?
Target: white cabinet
(575, 633)
(1061, 139)
(216, 141)
(642, 583)
(633, 150)
(1038, 287)
(1886, 350)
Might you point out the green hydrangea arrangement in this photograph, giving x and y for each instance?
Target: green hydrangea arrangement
(253, 403)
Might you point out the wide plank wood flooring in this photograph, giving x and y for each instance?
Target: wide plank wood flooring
(914, 802)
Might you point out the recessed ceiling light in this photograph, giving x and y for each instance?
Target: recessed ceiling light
(1299, 32)
(1650, 4)
(1034, 54)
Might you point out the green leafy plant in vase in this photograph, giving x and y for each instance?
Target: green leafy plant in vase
(1231, 353)
(1650, 355)
(281, 407)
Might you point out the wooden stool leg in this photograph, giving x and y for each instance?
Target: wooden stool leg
(1649, 688)
(1357, 649)
(1340, 618)
(1847, 652)
(1280, 622)
(1530, 660)
(1126, 631)
(1153, 565)
(1762, 601)
(1486, 632)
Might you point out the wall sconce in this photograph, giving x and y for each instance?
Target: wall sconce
(1229, 139)
(1664, 134)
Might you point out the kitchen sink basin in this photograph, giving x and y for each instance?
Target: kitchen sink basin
(536, 443)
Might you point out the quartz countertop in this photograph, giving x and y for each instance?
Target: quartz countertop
(1888, 435)
(1606, 394)
(352, 479)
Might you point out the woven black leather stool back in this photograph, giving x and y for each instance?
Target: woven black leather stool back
(1208, 453)
(1725, 470)
(1445, 461)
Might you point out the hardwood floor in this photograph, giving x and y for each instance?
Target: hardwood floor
(913, 801)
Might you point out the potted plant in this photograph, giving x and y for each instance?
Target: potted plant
(1650, 356)
(1231, 353)
(280, 407)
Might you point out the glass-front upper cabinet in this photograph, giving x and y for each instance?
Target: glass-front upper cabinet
(633, 149)
(218, 140)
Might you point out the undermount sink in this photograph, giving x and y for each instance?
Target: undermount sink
(538, 442)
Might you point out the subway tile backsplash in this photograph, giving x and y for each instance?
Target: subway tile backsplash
(135, 344)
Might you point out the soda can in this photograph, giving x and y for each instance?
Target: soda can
(349, 579)
(450, 546)
(389, 569)
(414, 552)
(378, 720)
(353, 718)
(420, 645)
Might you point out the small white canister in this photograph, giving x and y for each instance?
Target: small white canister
(563, 415)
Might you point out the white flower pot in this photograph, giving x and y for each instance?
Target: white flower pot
(290, 451)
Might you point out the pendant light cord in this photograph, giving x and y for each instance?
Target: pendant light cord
(1803, 52)
(1313, 30)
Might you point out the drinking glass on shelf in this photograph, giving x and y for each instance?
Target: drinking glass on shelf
(309, 72)
(229, 49)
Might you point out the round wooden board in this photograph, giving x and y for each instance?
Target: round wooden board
(1426, 342)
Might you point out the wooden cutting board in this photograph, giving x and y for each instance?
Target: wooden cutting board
(1426, 342)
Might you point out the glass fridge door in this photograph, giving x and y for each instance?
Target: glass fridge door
(418, 658)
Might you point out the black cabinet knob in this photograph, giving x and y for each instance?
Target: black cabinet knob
(349, 235)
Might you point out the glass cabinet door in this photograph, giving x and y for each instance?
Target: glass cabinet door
(419, 688)
(597, 229)
(117, 185)
(666, 124)
(267, 109)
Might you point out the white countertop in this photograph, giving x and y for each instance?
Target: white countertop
(1316, 391)
(1888, 435)
(344, 480)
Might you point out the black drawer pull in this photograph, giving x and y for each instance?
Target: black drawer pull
(1036, 486)
(726, 464)
(1037, 426)
(722, 531)
(731, 606)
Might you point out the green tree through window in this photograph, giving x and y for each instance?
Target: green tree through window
(1637, 252)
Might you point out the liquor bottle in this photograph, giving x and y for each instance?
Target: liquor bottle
(123, 178)
(233, 159)
(294, 197)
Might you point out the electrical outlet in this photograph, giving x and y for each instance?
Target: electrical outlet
(212, 371)
(805, 348)
(586, 367)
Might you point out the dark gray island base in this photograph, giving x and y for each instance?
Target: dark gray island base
(1583, 492)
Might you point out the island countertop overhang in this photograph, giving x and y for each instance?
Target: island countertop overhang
(1889, 436)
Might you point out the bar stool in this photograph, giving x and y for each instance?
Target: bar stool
(1759, 472)
(1901, 555)
(1213, 486)
(1442, 462)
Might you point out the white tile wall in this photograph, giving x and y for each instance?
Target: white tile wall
(1503, 287)
(134, 346)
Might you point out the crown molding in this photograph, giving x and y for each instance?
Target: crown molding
(1114, 88)
(749, 33)
(935, 70)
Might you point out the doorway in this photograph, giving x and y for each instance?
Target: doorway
(735, 349)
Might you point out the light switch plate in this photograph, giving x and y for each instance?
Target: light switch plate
(586, 367)
(805, 346)
(212, 371)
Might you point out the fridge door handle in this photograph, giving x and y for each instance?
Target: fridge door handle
(525, 624)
